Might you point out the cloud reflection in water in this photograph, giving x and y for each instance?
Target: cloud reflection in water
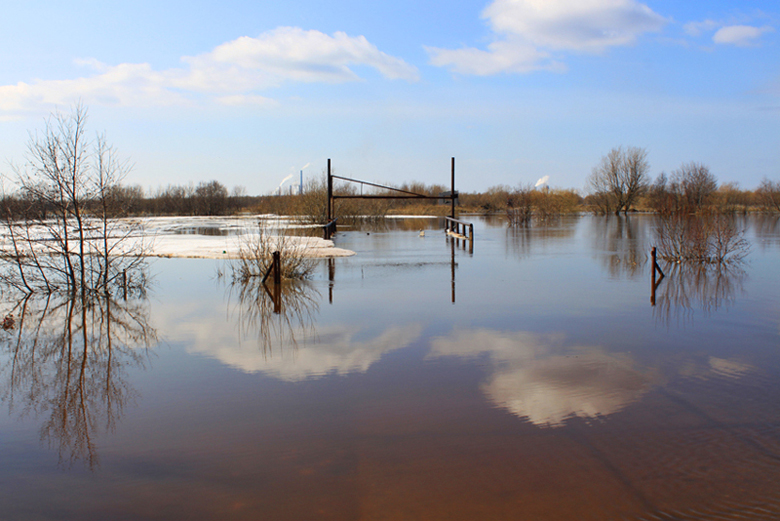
(334, 351)
(538, 378)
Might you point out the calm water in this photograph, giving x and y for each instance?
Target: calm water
(531, 379)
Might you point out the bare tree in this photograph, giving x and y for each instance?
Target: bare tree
(769, 195)
(74, 243)
(620, 178)
(693, 184)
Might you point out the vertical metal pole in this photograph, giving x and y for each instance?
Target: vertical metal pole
(452, 192)
(300, 185)
(330, 193)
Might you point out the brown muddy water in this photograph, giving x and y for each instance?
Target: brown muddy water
(531, 379)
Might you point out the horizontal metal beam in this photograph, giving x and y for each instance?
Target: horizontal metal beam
(391, 197)
(377, 185)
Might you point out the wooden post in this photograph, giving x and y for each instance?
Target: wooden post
(655, 263)
(124, 284)
(653, 284)
(277, 268)
(277, 298)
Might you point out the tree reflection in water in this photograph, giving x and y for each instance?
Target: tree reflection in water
(688, 287)
(524, 241)
(620, 241)
(275, 315)
(68, 358)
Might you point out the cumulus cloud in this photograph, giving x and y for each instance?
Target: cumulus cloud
(727, 34)
(232, 72)
(527, 31)
(740, 35)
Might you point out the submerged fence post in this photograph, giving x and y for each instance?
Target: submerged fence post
(277, 256)
(655, 263)
(653, 284)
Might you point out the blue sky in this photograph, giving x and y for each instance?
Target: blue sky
(250, 92)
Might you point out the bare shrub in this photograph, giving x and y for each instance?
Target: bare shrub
(520, 206)
(706, 239)
(255, 251)
(71, 240)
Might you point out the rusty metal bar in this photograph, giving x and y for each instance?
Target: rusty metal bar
(381, 186)
(390, 197)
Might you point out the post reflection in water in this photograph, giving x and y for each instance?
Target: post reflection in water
(68, 358)
(277, 315)
(686, 288)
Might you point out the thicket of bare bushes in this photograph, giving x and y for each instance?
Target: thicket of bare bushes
(700, 239)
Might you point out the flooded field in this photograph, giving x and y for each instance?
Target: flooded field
(536, 377)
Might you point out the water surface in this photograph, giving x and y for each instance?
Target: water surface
(531, 378)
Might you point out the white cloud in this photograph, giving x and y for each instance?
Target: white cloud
(232, 72)
(501, 56)
(527, 31)
(697, 28)
(740, 35)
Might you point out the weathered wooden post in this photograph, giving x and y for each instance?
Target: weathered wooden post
(277, 260)
(653, 284)
(277, 298)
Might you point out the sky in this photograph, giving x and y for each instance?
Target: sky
(249, 92)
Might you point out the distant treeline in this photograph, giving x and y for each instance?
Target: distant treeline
(676, 193)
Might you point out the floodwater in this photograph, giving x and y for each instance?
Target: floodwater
(538, 377)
